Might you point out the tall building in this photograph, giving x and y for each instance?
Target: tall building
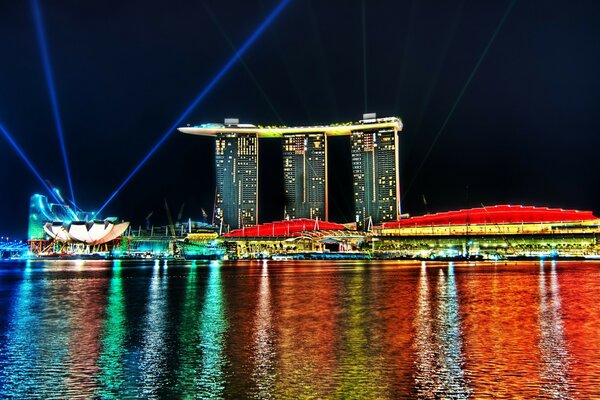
(375, 171)
(237, 179)
(305, 175)
(374, 165)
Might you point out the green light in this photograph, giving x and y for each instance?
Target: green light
(358, 365)
(189, 354)
(111, 377)
(213, 330)
(23, 344)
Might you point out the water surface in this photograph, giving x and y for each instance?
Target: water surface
(299, 329)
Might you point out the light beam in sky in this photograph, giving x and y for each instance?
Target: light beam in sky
(237, 55)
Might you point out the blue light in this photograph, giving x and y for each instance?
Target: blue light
(26, 160)
(202, 95)
(37, 16)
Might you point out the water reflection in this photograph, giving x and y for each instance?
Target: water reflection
(438, 341)
(188, 352)
(213, 331)
(110, 363)
(22, 359)
(306, 312)
(264, 371)
(86, 304)
(299, 330)
(153, 360)
(450, 337)
(424, 348)
(53, 335)
(396, 307)
(359, 374)
(554, 354)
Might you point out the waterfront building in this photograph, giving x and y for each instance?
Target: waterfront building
(375, 176)
(493, 232)
(500, 231)
(305, 175)
(236, 158)
(297, 238)
(57, 228)
(305, 168)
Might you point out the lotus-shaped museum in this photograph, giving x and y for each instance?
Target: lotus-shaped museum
(63, 224)
(92, 232)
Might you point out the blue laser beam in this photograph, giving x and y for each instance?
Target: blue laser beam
(37, 16)
(364, 51)
(262, 92)
(20, 152)
(238, 54)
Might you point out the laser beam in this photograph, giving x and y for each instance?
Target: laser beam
(238, 54)
(39, 26)
(460, 95)
(242, 62)
(20, 152)
(364, 51)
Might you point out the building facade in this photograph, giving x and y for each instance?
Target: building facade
(305, 175)
(236, 159)
(374, 165)
(375, 176)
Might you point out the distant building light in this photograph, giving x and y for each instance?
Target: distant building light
(369, 118)
(232, 121)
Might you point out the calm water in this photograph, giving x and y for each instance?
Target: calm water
(299, 330)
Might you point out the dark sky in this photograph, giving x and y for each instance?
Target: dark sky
(525, 131)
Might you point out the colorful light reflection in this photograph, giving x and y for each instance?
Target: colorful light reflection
(438, 341)
(264, 356)
(213, 332)
(555, 359)
(111, 372)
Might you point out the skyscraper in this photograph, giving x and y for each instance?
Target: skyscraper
(375, 171)
(237, 179)
(374, 165)
(305, 175)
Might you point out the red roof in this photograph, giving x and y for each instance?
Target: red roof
(285, 228)
(502, 214)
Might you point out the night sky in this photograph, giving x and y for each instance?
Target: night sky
(524, 132)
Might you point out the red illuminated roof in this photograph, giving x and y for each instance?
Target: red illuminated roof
(285, 228)
(503, 214)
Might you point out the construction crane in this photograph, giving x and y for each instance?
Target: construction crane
(171, 225)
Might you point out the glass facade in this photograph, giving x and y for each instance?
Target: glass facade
(237, 179)
(374, 143)
(305, 175)
(375, 172)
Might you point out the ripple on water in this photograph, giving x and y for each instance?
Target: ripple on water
(299, 330)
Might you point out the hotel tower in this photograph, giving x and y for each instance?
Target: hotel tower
(374, 159)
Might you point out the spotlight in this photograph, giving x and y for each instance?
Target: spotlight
(202, 95)
(15, 146)
(37, 16)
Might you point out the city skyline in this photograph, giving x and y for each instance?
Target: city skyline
(374, 158)
(498, 99)
(375, 173)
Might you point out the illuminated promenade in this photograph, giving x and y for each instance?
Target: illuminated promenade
(495, 232)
